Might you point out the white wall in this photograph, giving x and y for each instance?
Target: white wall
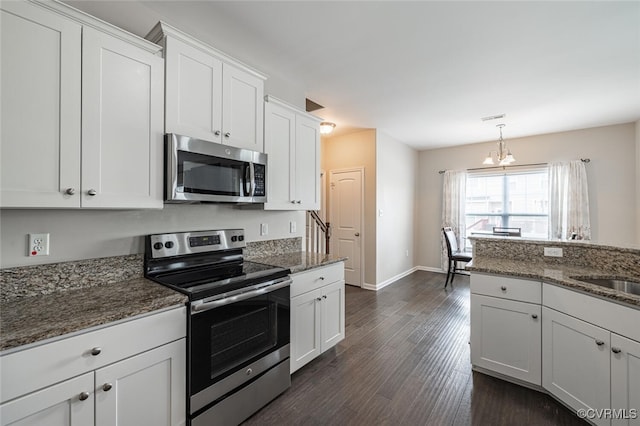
(611, 175)
(638, 182)
(396, 177)
(82, 234)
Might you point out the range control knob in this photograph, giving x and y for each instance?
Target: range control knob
(234, 238)
(240, 237)
(157, 246)
(168, 244)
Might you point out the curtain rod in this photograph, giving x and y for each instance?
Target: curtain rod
(584, 160)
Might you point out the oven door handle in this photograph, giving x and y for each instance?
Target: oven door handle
(200, 306)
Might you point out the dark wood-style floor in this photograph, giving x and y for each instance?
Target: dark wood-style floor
(405, 361)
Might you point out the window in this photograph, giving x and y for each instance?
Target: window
(517, 199)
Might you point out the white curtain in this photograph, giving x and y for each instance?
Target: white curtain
(453, 202)
(568, 200)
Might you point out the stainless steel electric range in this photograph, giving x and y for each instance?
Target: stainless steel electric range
(238, 327)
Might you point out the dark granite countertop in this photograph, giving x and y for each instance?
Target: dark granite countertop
(298, 261)
(31, 319)
(556, 274)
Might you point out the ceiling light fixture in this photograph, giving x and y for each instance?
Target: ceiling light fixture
(326, 127)
(503, 155)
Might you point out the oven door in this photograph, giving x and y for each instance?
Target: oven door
(232, 343)
(198, 170)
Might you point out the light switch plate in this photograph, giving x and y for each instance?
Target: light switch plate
(553, 251)
(38, 245)
(292, 227)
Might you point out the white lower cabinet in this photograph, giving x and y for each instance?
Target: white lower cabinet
(506, 337)
(576, 362)
(69, 403)
(625, 379)
(317, 312)
(129, 374)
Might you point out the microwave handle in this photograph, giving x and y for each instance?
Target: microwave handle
(249, 179)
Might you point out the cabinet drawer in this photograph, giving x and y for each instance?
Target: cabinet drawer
(40, 366)
(507, 287)
(316, 278)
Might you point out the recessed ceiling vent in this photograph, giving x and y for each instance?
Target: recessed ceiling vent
(493, 117)
(312, 106)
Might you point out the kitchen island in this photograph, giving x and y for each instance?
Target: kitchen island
(536, 323)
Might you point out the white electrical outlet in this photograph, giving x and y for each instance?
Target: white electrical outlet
(264, 229)
(553, 251)
(292, 227)
(38, 245)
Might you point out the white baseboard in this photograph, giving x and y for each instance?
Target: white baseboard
(376, 287)
(430, 269)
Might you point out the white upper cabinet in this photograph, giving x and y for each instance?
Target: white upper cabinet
(209, 95)
(292, 141)
(81, 112)
(40, 116)
(121, 123)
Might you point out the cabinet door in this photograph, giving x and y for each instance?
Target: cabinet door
(242, 114)
(575, 362)
(305, 328)
(625, 379)
(147, 389)
(279, 139)
(332, 315)
(307, 163)
(57, 405)
(506, 337)
(40, 107)
(121, 124)
(193, 92)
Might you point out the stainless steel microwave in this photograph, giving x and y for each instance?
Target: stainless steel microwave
(203, 171)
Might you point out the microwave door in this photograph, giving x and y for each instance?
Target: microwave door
(249, 180)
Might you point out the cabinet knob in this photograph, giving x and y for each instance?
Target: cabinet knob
(299, 202)
(321, 278)
(319, 299)
(217, 133)
(599, 342)
(96, 351)
(324, 297)
(70, 191)
(107, 387)
(227, 135)
(83, 396)
(503, 288)
(92, 192)
(357, 234)
(534, 316)
(616, 350)
(293, 201)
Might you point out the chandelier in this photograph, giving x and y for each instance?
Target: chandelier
(503, 154)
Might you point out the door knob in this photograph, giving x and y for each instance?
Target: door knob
(357, 234)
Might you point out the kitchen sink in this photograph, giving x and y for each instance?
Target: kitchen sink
(624, 285)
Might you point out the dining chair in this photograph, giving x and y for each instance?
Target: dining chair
(454, 253)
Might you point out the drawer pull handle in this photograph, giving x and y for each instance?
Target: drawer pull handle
(599, 342)
(616, 350)
(107, 387)
(534, 316)
(503, 288)
(96, 351)
(83, 396)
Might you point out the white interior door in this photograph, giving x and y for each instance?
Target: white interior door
(346, 207)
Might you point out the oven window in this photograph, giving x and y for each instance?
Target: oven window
(227, 338)
(204, 174)
(250, 330)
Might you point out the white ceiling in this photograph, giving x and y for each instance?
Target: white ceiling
(426, 72)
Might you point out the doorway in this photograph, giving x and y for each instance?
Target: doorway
(346, 207)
